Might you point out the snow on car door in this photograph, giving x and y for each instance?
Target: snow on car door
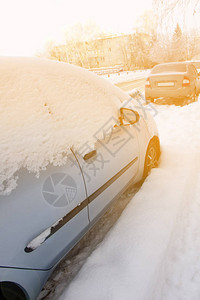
(110, 167)
(43, 217)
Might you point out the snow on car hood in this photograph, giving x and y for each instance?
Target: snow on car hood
(47, 107)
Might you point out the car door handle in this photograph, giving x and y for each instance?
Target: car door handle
(90, 155)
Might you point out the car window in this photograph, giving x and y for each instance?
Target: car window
(168, 68)
(196, 64)
(192, 69)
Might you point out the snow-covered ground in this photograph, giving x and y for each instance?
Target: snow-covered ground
(152, 252)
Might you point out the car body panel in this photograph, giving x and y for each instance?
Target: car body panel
(27, 214)
(30, 281)
(116, 163)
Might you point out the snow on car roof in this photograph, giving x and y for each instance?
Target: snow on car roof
(170, 67)
(47, 107)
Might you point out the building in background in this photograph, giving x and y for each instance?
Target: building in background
(109, 51)
(127, 52)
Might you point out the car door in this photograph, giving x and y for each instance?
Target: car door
(43, 217)
(109, 167)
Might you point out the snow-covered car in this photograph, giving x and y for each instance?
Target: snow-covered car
(177, 82)
(71, 143)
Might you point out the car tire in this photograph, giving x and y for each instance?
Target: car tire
(152, 156)
(195, 96)
(10, 291)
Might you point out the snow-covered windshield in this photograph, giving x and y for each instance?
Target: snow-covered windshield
(168, 68)
(46, 107)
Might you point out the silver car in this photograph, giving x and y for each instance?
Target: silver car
(43, 218)
(176, 82)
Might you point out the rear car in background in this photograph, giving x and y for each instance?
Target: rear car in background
(175, 83)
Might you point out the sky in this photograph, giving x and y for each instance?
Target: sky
(27, 25)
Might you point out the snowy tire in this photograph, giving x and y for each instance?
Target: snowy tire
(152, 156)
(195, 96)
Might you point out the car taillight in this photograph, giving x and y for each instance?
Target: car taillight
(186, 81)
(147, 83)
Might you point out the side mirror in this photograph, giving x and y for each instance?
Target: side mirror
(128, 116)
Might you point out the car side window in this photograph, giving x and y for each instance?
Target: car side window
(193, 70)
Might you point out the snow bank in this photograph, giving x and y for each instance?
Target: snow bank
(127, 76)
(46, 107)
(179, 126)
(126, 265)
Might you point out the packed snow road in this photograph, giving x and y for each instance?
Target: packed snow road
(152, 252)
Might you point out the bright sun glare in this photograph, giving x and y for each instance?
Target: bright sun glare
(26, 25)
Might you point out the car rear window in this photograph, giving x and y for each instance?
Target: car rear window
(169, 68)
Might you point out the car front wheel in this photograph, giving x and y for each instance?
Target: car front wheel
(10, 291)
(152, 157)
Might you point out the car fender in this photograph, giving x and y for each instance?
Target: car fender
(29, 281)
(146, 126)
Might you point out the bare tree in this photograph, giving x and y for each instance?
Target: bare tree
(143, 40)
(169, 12)
(186, 13)
(169, 6)
(79, 40)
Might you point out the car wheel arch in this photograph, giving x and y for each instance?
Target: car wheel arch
(13, 291)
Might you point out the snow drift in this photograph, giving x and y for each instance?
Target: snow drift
(47, 107)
